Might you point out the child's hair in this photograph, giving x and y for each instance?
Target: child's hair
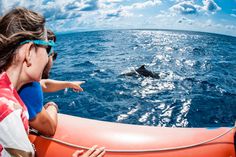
(51, 35)
(16, 26)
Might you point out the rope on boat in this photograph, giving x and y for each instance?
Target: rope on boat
(140, 150)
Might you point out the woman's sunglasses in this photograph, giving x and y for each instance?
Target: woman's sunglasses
(49, 44)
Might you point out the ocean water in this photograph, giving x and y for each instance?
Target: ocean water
(196, 88)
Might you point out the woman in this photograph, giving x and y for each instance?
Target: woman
(23, 56)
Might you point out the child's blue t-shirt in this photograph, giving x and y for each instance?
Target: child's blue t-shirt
(32, 96)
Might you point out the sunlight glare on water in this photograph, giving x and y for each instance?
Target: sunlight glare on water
(195, 87)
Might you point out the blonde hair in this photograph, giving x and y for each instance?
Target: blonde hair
(18, 25)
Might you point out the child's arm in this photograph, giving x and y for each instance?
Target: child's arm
(49, 85)
(46, 120)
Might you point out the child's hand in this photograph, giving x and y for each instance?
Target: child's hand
(76, 86)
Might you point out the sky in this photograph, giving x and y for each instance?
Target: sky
(216, 16)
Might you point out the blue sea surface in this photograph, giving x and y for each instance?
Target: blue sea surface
(196, 88)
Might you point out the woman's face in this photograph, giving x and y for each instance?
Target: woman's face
(38, 62)
(48, 67)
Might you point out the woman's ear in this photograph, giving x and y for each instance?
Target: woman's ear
(29, 48)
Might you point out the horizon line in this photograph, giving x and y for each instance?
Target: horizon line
(151, 29)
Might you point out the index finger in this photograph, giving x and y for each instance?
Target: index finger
(81, 82)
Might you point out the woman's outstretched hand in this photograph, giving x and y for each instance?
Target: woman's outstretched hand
(92, 152)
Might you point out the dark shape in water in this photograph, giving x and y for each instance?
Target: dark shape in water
(143, 72)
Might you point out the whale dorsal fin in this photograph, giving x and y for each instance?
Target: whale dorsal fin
(142, 67)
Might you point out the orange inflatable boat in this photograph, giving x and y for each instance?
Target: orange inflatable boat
(121, 140)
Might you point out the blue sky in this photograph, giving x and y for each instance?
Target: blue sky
(218, 16)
